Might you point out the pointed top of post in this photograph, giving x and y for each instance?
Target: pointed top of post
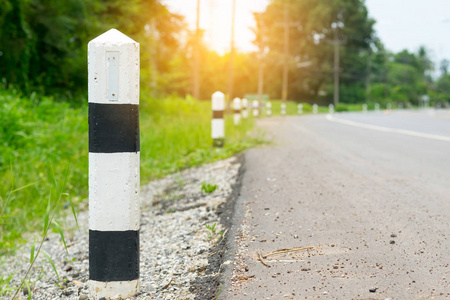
(112, 37)
(218, 95)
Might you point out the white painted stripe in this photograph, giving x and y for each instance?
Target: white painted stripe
(114, 191)
(217, 128)
(391, 130)
(128, 68)
(113, 289)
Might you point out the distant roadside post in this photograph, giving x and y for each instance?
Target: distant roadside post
(255, 108)
(268, 109)
(331, 109)
(300, 108)
(315, 109)
(245, 108)
(377, 107)
(364, 108)
(236, 111)
(218, 123)
(283, 109)
(388, 106)
(114, 154)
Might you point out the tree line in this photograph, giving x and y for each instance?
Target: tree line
(309, 44)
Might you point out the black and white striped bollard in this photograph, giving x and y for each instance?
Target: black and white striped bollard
(283, 109)
(268, 109)
(300, 108)
(255, 108)
(244, 108)
(331, 109)
(237, 111)
(218, 123)
(114, 153)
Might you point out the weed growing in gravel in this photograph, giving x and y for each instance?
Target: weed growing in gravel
(208, 188)
(212, 233)
(4, 284)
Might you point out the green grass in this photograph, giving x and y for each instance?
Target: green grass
(40, 138)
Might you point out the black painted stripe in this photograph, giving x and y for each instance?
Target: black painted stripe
(113, 128)
(217, 114)
(113, 255)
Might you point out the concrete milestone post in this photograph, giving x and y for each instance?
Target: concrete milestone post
(315, 109)
(237, 111)
(244, 108)
(300, 108)
(255, 108)
(268, 109)
(114, 153)
(218, 123)
(283, 109)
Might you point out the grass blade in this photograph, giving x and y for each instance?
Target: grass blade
(32, 253)
(29, 290)
(61, 234)
(47, 215)
(73, 211)
(53, 265)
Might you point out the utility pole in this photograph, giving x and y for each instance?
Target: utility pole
(368, 74)
(260, 36)
(196, 91)
(336, 66)
(284, 91)
(230, 74)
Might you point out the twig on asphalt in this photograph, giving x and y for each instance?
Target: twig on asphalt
(280, 251)
(260, 258)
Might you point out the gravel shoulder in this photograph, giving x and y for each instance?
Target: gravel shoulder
(180, 257)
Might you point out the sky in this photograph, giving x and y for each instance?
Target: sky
(215, 19)
(400, 23)
(410, 23)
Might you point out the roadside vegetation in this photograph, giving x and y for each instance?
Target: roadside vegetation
(41, 138)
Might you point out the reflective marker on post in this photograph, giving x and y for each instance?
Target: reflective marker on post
(268, 109)
(315, 109)
(218, 123)
(237, 111)
(255, 108)
(331, 109)
(283, 109)
(114, 152)
(245, 108)
(300, 108)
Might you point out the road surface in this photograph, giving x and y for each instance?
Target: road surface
(369, 193)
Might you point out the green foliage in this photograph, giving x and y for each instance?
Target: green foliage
(208, 188)
(42, 136)
(38, 140)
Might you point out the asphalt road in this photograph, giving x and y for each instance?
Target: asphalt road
(370, 193)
